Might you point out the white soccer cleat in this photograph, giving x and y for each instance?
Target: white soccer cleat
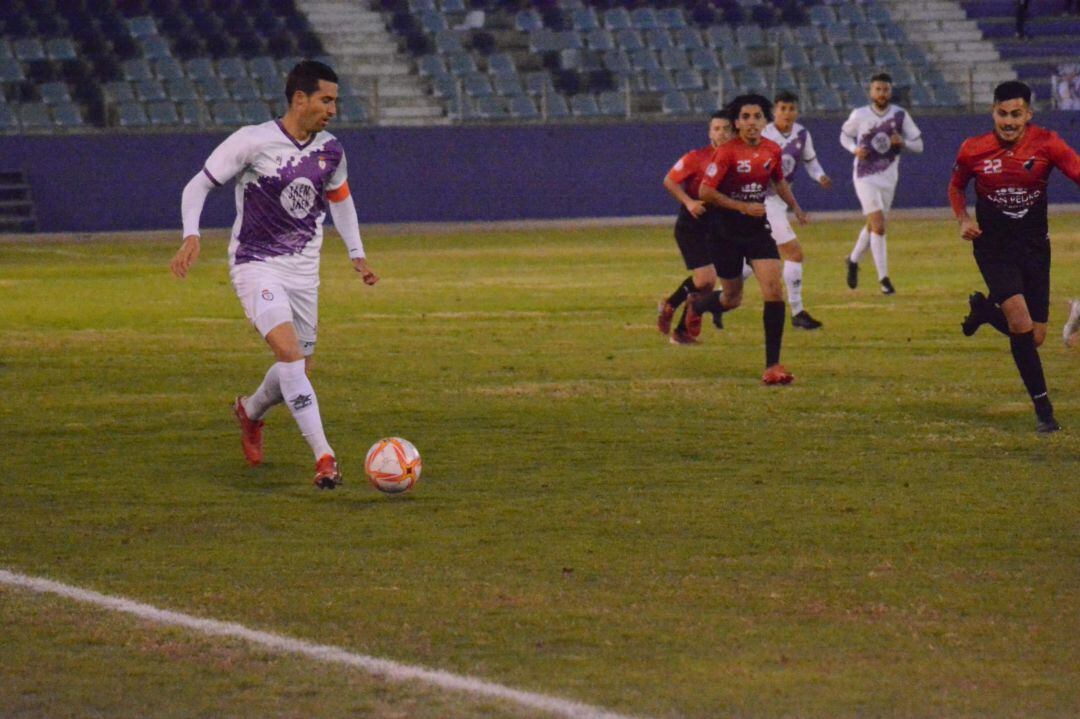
(1070, 335)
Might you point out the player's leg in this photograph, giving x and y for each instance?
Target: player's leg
(760, 249)
(1025, 352)
(1070, 333)
(791, 254)
(692, 238)
(876, 221)
(665, 311)
(700, 300)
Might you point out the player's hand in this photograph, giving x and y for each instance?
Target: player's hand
(862, 153)
(802, 217)
(366, 273)
(969, 229)
(696, 208)
(825, 182)
(897, 139)
(185, 257)
(753, 209)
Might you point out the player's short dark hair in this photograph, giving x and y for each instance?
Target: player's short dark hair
(305, 76)
(882, 77)
(786, 96)
(741, 101)
(1012, 90)
(721, 114)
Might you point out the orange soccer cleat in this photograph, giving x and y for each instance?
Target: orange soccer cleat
(250, 434)
(327, 475)
(776, 374)
(664, 313)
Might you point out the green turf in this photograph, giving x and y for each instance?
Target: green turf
(603, 516)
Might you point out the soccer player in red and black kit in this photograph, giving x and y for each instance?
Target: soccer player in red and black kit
(695, 231)
(736, 181)
(1009, 232)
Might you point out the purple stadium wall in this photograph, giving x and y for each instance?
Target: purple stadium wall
(111, 182)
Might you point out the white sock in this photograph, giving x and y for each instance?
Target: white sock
(861, 245)
(881, 256)
(747, 270)
(793, 280)
(300, 397)
(268, 394)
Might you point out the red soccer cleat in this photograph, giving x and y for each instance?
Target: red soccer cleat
(777, 375)
(693, 320)
(327, 475)
(680, 337)
(664, 313)
(250, 434)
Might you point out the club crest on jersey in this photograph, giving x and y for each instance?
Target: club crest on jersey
(322, 162)
(1029, 164)
(268, 295)
(881, 143)
(788, 163)
(711, 169)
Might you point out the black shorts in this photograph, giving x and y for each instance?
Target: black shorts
(1016, 264)
(696, 238)
(742, 238)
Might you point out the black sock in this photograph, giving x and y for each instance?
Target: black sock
(1026, 356)
(679, 295)
(681, 326)
(774, 315)
(996, 318)
(707, 303)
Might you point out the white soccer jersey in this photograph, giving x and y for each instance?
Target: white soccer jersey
(796, 148)
(868, 128)
(281, 191)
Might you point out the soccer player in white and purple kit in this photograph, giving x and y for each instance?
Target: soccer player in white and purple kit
(288, 173)
(797, 148)
(876, 134)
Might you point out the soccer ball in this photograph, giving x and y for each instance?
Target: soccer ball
(393, 465)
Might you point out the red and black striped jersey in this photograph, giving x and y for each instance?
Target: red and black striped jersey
(690, 169)
(744, 172)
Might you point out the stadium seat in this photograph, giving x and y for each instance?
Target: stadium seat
(794, 56)
(599, 40)
(734, 57)
(447, 41)
(826, 99)
(444, 86)
(60, 49)
(264, 67)
(522, 107)
(687, 80)
(226, 112)
(751, 36)
(822, 15)
(612, 103)
(8, 121)
(181, 89)
(555, 106)
(617, 19)
(118, 92)
(190, 113)
(213, 89)
(657, 38)
(584, 105)
(507, 85)
(616, 61)
(705, 102)
(688, 38)
(477, 85)
(674, 59)
(658, 81)
(671, 17)
(528, 21)
(271, 88)
(644, 18)
(29, 49)
(131, 114)
(723, 82)
(154, 46)
(142, 26)
(461, 63)
(429, 65)
(854, 54)
(35, 116)
(867, 33)
(782, 79)
(501, 63)
(584, 19)
(231, 68)
(136, 69)
(168, 68)
(824, 56)
(921, 96)
(149, 90)
(886, 57)
(53, 93)
(628, 39)
(256, 112)
(704, 60)
(643, 60)
(751, 79)
(162, 113)
(850, 13)
(244, 88)
(489, 107)
(720, 37)
(675, 103)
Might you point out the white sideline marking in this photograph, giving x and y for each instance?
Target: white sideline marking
(391, 670)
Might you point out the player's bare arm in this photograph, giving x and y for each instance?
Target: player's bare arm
(713, 196)
(185, 257)
(783, 189)
(694, 207)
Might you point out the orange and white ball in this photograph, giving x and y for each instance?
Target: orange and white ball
(393, 465)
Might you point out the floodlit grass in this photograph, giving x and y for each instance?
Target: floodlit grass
(603, 516)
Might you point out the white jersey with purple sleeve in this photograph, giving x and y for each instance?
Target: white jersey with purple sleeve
(796, 148)
(281, 188)
(872, 130)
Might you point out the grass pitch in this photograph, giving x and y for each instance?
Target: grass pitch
(603, 516)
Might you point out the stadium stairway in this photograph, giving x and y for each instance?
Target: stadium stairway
(17, 212)
(970, 63)
(367, 56)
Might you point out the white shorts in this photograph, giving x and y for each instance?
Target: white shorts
(270, 300)
(874, 197)
(776, 212)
